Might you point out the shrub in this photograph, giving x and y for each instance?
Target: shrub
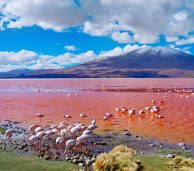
(2, 130)
(182, 164)
(119, 159)
(124, 149)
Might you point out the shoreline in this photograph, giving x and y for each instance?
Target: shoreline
(103, 143)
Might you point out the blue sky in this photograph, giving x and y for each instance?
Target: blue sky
(38, 34)
(51, 42)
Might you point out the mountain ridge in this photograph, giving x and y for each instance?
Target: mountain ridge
(145, 62)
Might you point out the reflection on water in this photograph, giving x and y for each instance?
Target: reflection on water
(20, 100)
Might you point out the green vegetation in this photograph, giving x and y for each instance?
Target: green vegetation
(15, 162)
(153, 163)
(2, 130)
(176, 153)
(121, 158)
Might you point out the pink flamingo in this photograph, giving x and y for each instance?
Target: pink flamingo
(67, 117)
(9, 134)
(131, 112)
(93, 121)
(32, 128)
(109, 115)
(40, 116)
(83, 115)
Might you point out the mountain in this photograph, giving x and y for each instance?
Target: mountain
(142, 62)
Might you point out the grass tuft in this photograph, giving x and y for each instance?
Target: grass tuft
(120, 159)
(182, 164)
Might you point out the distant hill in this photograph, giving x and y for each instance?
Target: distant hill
(144, 62)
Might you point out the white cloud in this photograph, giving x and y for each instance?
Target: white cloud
(146, 19)
(181, 15)
(48, 14)
(23, 56)
(181, 41)
(185, 49)
(172, 39)
(119, 51)
(114, 52)
(62, 61)
(186, 41)
(31, 60)
(71, 48)
(129, 48)
(122, 37)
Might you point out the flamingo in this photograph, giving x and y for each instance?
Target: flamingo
(59, 140)
(124, 109)
(55, 130)
(68, 95)
(159, 116)
(32, 128)
(38, 129)
(67, 117)
(40, 116)
(60, 127)
(118, 109)
(33, 139)
(92, 127)
(131, 112)
(93, 121)
(40, 134)
(63, 132)
(141, 112)
(54, 127)
(69, 145)
(109, 115)
(82, 141)
(9, 134)
(155, 109)
(87, 132)
(106, 118)
(147, 108)
(83, 115)
(74, 131)
(49, 133)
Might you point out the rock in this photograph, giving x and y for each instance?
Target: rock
(151, 145)
(80, 164)
(127, 133)
(114, 133)
(98, 151)
(103, 143)
(181, 144)
(169, 156)
(46, 157)
(22, 147)
(87, 161)
(75, 161)
(185, 148)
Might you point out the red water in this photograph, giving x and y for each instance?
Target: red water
(20, 100)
